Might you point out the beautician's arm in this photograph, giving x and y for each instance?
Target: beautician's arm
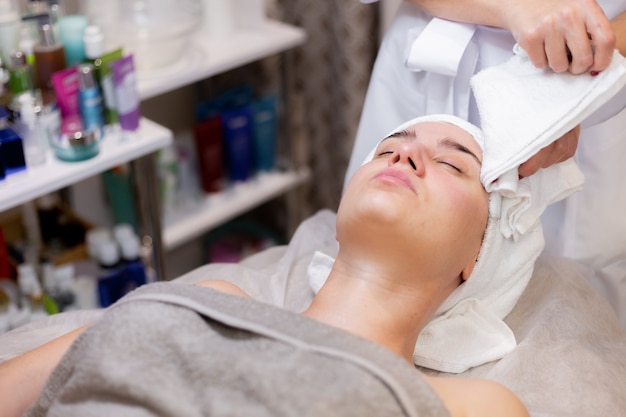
(541, 27)
(23, 377)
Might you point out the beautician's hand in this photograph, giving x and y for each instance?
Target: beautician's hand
(560, 150)
(548, 29)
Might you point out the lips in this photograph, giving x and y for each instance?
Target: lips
(396, 176)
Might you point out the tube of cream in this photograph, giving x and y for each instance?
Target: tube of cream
(125, 84)
(104, 75)
(66, 84)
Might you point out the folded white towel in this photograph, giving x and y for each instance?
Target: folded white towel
(524, 109)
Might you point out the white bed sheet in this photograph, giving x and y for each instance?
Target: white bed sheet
(571, 354)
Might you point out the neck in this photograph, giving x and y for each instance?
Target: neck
(365, 302)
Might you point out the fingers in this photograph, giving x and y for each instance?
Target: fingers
(604, 42)
(560, 150)
(572, 35)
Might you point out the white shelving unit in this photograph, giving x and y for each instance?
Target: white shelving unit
(218, 208)
(206, 58)
(54, 174)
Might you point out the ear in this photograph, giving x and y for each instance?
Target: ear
(467, 271)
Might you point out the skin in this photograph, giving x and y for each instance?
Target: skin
(409, 227)
(547, 30)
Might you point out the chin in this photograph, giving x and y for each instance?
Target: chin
(381, 208)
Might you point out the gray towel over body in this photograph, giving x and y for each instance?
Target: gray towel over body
(171, 349)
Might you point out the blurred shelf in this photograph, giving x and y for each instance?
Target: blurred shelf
(55, 174)
(215, 209)
(205, 57)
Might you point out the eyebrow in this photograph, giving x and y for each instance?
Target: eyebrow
(446, 142)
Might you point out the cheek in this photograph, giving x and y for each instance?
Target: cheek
(468, 206)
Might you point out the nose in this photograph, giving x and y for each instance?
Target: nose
(411, 154)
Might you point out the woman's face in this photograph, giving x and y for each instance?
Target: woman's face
(421, 194)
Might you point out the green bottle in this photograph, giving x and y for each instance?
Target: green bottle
(20, 79)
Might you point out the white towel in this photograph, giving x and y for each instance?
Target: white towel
(524, 109)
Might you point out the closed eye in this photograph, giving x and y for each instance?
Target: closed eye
(451, 165)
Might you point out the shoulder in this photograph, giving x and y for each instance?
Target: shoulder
(224, 286)
(469, 397)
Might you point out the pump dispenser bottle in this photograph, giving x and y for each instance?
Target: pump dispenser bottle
(49, 58)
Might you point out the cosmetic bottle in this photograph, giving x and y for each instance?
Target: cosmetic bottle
(93, 38)
(76, 147)
(134, 270)
(208, 137)
(9, 29)
(238, 143)
(71, 35)
(20, 77)
(66, 84)
(111, 277)
(104, 73)
(90, 100)
(49, 58)
(127, 99)
(265, 130)
(119, 192)
(12, 147)
(29, 125)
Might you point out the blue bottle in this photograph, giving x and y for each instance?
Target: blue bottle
(111, 278)
(12, 148)
(238, 143)
(134, 270)
(90, 100)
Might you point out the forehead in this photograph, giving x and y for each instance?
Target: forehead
(438, 129)
(435, 131)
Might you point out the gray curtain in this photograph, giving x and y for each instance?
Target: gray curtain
(328, 79)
